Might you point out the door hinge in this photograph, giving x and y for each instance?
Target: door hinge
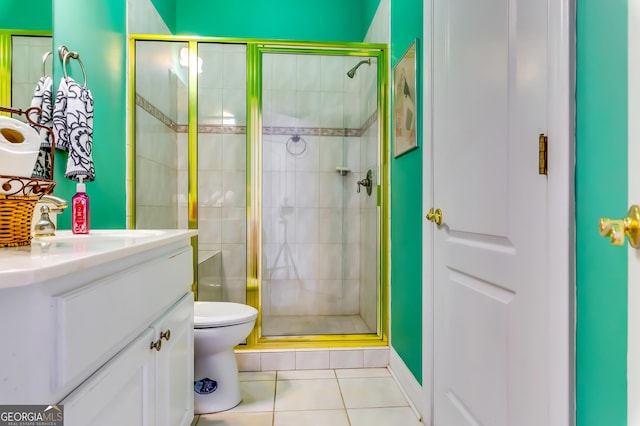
(542, 160)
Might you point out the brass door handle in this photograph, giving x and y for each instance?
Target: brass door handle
(617, 229)
(435, 216)
(165, 335)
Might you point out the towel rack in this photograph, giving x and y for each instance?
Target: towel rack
(44, 60)
(65, 54)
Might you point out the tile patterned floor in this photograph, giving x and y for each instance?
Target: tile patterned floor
(344, 397)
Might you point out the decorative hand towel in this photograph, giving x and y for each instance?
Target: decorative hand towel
(79, 125)
(42, 99)
(60, 116)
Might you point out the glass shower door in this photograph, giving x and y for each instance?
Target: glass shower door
(319, 233)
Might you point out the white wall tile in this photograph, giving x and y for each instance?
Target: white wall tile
(210, 106)
(378, 357)
(278, 360)
(331, 110)
(248, 361)
(234, 153)
(331, 190)
(312, 360)
(346, 358)
(309, 158)
(308, 73)
(284, 71)
(209, 151)
(331, 154)
(331, 258)
(330, 229)
(307, 109)
(234, 189)
(307, 225)
(333, 71)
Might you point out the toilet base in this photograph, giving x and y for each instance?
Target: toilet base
(222, 391)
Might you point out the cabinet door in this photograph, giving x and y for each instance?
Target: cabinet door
(122, 392)
(174, 366)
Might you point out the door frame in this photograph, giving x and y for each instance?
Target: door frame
(560, 215)
(633, 151)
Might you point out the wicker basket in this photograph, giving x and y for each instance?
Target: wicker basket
(16, 214)
(19, 195)
(17, 202)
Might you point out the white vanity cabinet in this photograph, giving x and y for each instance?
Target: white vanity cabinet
(102, 325)
(150, 382)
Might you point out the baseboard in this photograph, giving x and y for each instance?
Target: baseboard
(409, 384)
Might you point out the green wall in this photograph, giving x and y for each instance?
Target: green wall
(323, 20)
(97, 31)
(601, 191)
(406, 210)
(13, 16)
(167, 10)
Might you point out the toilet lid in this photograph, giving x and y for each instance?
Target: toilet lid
(220, 314)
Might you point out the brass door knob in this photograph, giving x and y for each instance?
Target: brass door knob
(435, 216)
(165, 335)
(617, 229)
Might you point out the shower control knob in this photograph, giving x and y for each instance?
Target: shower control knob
(367, 182)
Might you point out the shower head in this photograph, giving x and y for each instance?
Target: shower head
(352, 71)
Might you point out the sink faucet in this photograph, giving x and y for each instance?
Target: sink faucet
(45, 227)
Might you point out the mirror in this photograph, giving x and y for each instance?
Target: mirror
(28, 62)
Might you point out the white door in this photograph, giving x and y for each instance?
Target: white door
(491, 301)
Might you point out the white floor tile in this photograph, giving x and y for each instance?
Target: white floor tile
(351, 373)
(256, 397)
(306, 374)
(371, 392)
(395, 416)
(236, 419)
(311, 418)
(318, 394)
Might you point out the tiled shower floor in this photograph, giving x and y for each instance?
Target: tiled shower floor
(342, 397)
(301, 325)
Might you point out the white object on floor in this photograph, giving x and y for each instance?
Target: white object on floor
(219, 327)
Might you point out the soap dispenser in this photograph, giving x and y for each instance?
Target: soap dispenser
(80, 209)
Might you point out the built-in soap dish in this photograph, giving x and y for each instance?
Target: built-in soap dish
(343, 171)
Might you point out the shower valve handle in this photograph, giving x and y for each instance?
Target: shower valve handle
(366, 182)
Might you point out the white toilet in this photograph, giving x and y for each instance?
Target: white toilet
(219, 327)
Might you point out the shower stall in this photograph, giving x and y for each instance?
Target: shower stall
(276, 154)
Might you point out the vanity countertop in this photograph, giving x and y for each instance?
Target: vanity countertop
(52, 257)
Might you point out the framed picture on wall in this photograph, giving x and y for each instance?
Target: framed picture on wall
(405, 102)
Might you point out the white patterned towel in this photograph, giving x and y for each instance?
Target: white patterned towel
(42, 99)
(73, 128)
(80, 131)
(60, 116)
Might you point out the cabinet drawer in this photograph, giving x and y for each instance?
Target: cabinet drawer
(96, 321)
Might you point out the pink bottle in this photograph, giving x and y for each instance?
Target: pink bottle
(80, 209)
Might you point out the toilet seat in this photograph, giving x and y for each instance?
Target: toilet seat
(221, 314)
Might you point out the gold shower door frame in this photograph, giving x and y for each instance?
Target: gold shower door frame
(255, 49)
